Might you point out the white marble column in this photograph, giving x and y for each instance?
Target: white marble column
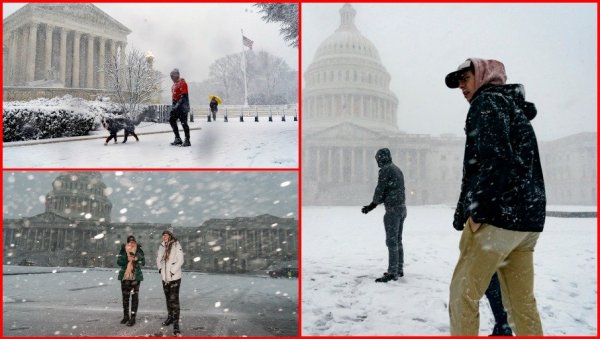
(318, 162)
(48, 57)
(12, 57)
(353, 165)
(329, 164)
(364, 165)
(101, 60)
(341, 171)
(90, 62)
(122, 46)
(62, 58)
(31, 51)
(76, 50)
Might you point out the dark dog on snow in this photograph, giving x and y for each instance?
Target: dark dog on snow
(114, 125)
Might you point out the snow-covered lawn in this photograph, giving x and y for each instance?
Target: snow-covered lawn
(87, 302)
(218, 144)
(344, 251)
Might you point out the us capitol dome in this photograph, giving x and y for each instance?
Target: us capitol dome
(347, 82)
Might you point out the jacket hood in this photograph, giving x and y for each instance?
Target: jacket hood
(517, 93)
(383, 157)
(488, 72)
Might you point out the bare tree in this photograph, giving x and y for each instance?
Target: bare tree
(269, 80)
(227, 72)
(133, 82)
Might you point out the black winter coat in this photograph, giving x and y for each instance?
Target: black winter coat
(502, 182)
(214, 106)
(390, 184)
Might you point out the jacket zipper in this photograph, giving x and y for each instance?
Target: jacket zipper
(166, 275)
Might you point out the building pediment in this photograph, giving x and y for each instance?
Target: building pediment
(49, 217)
(66, 15)
(346, 130)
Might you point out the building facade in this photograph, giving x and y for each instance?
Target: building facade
(76, 230)
(349, 113)
(60, 45)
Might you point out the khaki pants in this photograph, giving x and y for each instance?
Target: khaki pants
(487, 250)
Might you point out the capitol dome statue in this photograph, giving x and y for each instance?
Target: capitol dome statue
(347, 82)
(79, 196)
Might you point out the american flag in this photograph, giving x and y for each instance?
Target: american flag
(247, 42)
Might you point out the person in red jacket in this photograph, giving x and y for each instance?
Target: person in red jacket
(180, 108)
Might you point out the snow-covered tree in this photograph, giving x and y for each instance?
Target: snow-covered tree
(133, 82)
(287, 15)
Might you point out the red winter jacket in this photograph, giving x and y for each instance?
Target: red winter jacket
(180, 98)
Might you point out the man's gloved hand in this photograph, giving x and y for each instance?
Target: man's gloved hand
(368, 208)
(458, 225)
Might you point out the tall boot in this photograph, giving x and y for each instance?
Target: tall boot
(176, 330)
(125, 309)
(134, 307)
(169, 319)
(175, 308)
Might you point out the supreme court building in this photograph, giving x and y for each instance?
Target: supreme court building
(60, 45)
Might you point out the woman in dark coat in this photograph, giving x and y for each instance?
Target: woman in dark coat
(214, 108)
(130, 259)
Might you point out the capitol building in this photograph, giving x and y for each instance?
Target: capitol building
(349, 112)
(76, 230)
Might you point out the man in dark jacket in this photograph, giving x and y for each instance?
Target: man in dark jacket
(180, 109)
(390, 192)
(502, 204)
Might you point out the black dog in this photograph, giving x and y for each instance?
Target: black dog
(114, 125)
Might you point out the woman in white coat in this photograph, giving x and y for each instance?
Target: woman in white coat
(169, 261)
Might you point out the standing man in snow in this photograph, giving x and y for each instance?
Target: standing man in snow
(169, 260)
(180, 108)
(390, 192)
(502, 204)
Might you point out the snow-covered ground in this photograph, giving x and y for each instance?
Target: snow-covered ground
(570, 208)
(344, 251)
(218, 144)
(87, 302)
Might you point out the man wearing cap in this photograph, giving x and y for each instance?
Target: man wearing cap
(180, 109)
(502, 204)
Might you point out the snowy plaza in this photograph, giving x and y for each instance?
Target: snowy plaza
(87, 302)
(232, 144)
(344, 251)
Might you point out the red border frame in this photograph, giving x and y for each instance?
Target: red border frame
(298, 169)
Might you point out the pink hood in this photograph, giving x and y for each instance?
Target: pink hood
(488, 72)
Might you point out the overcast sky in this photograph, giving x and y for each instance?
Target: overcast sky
(181, 198)
(192, 36)
(549, 48)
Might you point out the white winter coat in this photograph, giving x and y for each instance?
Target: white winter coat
(170, 270)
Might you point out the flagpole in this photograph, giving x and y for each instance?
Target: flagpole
(244, 68)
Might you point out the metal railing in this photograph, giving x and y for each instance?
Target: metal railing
(275, 112)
